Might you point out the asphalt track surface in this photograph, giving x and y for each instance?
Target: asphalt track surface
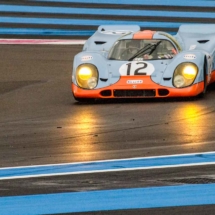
(39, 116)
(41, 123)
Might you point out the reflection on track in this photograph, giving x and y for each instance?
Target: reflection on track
(84, 123)
(193, 126)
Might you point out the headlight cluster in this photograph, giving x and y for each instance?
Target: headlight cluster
(185, 74)
(87, 76)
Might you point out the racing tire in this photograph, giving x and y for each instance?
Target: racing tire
(202, 94)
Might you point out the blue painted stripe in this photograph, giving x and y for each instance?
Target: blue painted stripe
(41, 31)
(107, 12)
(182, 3)
(87, 22)
(112, 165)
(44, 32)
(154, 197)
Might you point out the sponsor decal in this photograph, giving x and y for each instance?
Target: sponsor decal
(192, 47)
(190, 56)
(86, 58)
(166, 56)
(134, 81)
(138, 59)
(136, 68)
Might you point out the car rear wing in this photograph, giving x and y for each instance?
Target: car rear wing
(197, 29)
(197, 37)
(106, 35)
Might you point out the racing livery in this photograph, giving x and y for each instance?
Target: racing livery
(124, 62)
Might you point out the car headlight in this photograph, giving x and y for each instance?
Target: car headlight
(184, 75)
(87, 76)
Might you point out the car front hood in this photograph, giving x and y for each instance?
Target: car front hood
(140, 69)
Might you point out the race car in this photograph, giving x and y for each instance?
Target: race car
(125, 62)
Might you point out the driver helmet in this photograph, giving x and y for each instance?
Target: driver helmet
(133, 46)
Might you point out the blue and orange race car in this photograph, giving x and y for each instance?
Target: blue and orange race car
(124, 62)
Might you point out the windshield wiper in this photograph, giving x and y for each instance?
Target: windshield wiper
(155, 46)
(150, 47)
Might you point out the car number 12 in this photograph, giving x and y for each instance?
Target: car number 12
(136, 68)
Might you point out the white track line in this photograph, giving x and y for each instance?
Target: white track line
(108, 170)
(110, 160)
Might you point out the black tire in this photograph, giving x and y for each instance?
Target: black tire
(202, 94)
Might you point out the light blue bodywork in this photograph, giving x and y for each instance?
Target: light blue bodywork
(197, 40)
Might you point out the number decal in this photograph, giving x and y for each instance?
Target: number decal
(129, 68)
(136, 72)
(136, 68)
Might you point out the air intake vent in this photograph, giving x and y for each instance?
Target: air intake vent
(203, 41)
(103, 79)
(134, 93)
(163, 92)
(167, 79)
(99, 42)
(106, 93)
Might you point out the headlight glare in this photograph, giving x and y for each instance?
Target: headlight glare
(185, 74)
(85, 73)
(87, 76)
(189, 72)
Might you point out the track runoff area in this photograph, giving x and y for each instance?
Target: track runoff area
(127, 198)
(110, 199)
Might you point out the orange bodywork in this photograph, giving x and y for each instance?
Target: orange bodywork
(147, 84)
(147, 35)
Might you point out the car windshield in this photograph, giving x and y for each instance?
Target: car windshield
(127, 50)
